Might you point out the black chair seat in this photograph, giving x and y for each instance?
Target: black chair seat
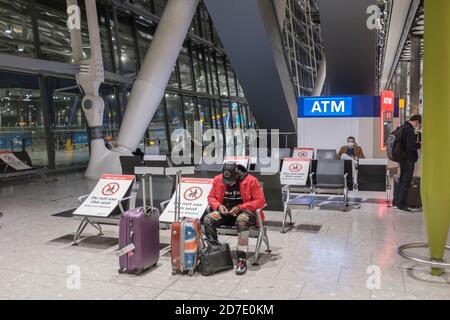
(233, 227)
(330, 186)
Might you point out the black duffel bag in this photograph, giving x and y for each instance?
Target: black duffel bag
(214, 257)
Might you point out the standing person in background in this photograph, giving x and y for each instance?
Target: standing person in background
(351, 150)
(410, 144)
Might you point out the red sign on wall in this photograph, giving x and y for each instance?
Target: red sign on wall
(386, 114)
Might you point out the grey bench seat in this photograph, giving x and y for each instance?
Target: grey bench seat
(9, 173)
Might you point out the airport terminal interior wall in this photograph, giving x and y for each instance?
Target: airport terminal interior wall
(42, 114)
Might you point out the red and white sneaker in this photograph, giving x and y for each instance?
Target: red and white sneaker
(241, 266)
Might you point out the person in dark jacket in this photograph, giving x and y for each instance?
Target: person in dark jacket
(410, 144)
(235, 196)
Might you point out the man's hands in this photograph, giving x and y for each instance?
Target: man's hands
(222, 209)
(235, 211)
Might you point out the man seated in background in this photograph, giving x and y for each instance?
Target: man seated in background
(351, 151)
(235, 196)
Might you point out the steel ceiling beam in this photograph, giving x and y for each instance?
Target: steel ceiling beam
(401, 19)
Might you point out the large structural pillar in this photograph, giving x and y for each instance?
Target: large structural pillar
(148, 89)
(414, 77)
(436, 127)
(320, 80)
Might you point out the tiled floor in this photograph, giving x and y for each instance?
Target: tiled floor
(342, 261)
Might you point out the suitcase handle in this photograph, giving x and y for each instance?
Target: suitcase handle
(178, 195)
(144, 193)
(119, 203)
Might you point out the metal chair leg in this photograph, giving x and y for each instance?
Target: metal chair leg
(100, 230)
(290, 217)
(258, 247)
(79, 231)
(283, 223)
(95, 226)
(42, 174)
(345, 199)
(266, 241)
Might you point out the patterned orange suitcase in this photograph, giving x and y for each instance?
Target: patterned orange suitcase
(185, 242)
(185, 239)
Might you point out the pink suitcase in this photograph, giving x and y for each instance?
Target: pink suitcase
(139, 235)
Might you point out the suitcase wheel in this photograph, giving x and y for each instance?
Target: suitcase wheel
(137, 272)
(191, 273)
(121, 270)
(174, 272)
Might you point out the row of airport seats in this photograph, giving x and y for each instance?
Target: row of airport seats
(325, 176)
(164, 187)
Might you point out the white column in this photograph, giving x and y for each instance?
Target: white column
(320, 79)
(148, 89)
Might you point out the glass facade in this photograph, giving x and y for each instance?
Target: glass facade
(157, 138)
(303, 44)
(42, 114)
(22, 116)
(174, 112)
(205, 115)
(17, 33)
(68, 124)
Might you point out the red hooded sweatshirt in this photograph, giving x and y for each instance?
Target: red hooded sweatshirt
(251, 192)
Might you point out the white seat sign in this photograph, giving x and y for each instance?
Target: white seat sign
(295, 171)
(11, 160)
(194, 199)
(103, 199)
(305, 153)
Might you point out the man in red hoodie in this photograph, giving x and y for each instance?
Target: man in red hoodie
(235, 196)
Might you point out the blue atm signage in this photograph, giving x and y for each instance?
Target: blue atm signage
(341, 107)
(328, 107)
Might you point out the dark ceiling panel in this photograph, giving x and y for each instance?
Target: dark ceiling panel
(243, 33)
(350, 47)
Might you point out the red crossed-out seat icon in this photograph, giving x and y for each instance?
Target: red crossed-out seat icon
(303, 154)
(193, 193)
(295, 167)
(9, 158)
(110, 189)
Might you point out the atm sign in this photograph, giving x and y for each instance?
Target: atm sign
(327, 107)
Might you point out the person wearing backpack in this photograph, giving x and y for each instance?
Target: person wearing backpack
(409, 145)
